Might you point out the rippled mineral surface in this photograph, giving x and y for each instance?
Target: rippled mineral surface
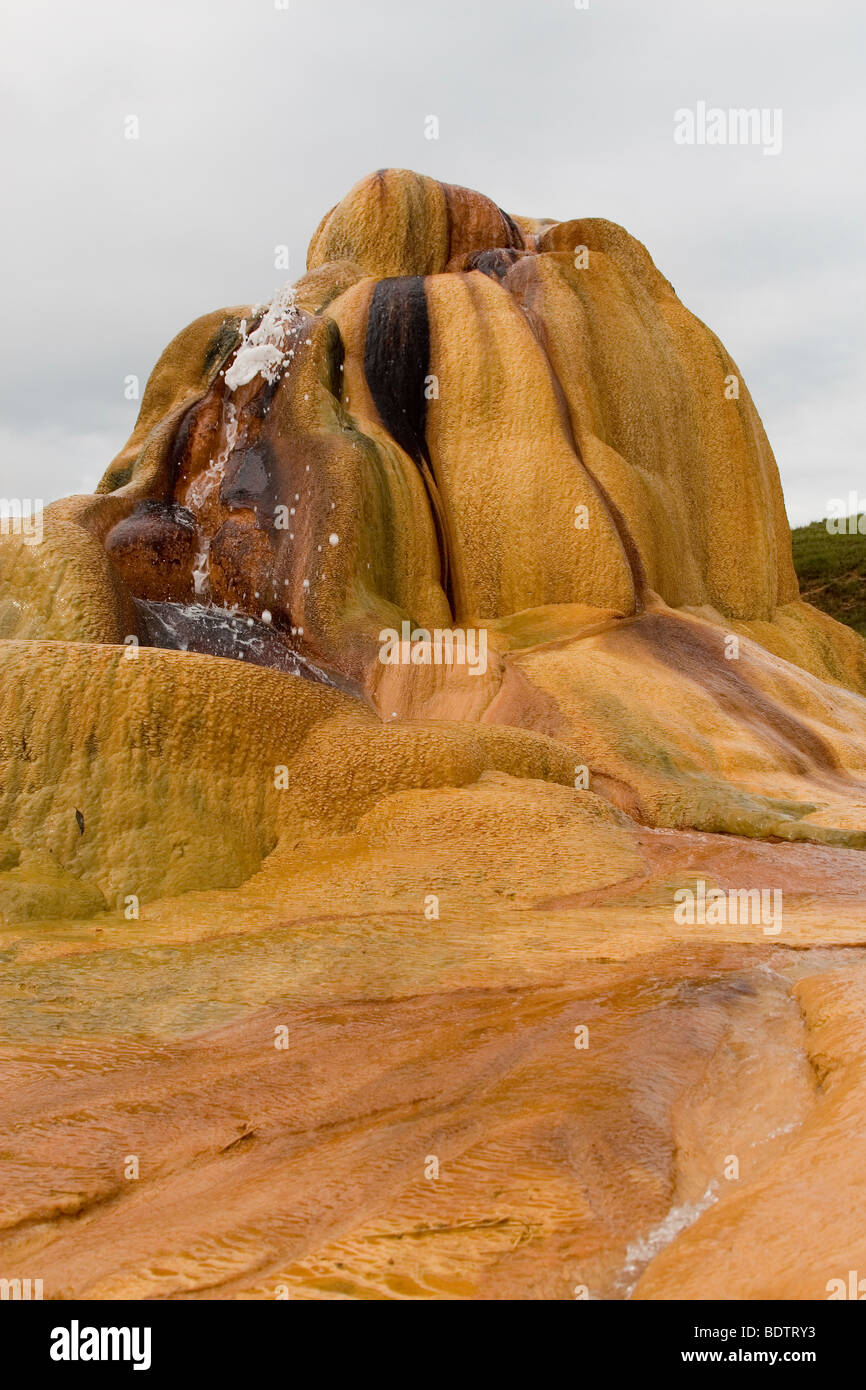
(431, 822)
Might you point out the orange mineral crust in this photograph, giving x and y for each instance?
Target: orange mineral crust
(431, 822)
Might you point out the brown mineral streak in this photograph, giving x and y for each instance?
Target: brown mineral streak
(429, 880)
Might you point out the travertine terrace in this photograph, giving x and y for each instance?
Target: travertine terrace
(222, 815)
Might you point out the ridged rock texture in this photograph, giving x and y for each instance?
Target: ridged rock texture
(431, 874)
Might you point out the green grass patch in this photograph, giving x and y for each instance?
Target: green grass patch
(832, 571)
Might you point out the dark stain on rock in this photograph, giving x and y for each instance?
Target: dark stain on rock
(224, 340)
(248, 478)
(495, 263)
(335, 357)
(181, 441)
(396, 365)
(116, 477)
(397, 359)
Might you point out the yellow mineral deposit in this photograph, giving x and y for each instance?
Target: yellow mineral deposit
(431, 823)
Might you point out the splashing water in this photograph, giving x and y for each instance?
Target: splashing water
(263, 352)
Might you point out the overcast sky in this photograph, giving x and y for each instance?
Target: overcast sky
(254, 120)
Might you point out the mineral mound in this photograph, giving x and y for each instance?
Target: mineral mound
(436, 627)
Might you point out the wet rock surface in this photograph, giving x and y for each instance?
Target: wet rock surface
(214, 631)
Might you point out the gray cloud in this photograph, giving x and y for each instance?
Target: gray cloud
(255, 120)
